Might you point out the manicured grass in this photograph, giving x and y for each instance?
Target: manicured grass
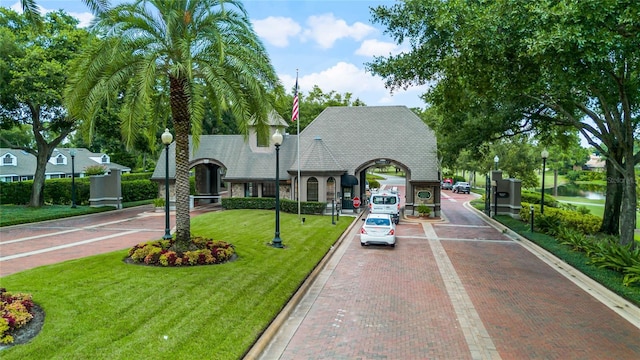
(101, 308)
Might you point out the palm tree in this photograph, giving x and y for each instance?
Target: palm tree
(30, 8)
(199, 53)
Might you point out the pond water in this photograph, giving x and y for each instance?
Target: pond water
(592, 192)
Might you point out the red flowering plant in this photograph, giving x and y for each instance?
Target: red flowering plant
(15, 312)
(158, 253)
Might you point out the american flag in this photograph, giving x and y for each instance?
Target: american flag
(294, 112)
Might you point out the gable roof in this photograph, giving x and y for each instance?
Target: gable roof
(340, 139)
(26, 162)
(380, 132)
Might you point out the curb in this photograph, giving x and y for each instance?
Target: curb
(613, 301)
(270, 332)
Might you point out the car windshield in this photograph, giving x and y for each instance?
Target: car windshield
(380, 200)
(378, 221)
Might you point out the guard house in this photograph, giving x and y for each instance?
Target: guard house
(336, 149)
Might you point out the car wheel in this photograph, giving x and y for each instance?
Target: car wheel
(362, 244)
(393, 245)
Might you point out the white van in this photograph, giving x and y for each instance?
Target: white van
(385, 203)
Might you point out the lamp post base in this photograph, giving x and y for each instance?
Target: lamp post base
(277, 242)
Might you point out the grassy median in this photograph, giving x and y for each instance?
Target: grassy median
(101, 308)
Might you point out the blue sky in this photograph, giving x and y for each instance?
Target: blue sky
(327, 41)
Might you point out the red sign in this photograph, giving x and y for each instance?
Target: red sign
(356, 202)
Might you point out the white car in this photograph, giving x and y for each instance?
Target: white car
(378, 229)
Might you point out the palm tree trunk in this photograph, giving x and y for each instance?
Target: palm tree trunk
(182, 124)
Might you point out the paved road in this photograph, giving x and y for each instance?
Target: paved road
(27, 246)
(453, 289)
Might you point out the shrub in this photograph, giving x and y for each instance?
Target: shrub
(286, 205)
(424, 209)
(159, 253)
(374, 184)
(553, 218)
(15, 312)
(158, 202)
(137, 190)
(532, 197)
(95, 170)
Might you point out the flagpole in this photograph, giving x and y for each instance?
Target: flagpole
(298, 150)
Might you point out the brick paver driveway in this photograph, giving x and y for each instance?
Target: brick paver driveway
(27, 246)
(455, 289)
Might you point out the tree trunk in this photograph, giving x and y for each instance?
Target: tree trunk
(182, 124)
(37, 189)
(629, 202)
(613, 201)
(555, 182)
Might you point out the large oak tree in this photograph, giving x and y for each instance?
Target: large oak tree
(513, 66)
(34, 65)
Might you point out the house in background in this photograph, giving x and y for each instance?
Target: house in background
(19, 165)
(595, 163)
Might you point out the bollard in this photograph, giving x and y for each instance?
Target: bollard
(531, 216)
(333, 208)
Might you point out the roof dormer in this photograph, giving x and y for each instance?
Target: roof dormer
(58, 159)
(9, 159)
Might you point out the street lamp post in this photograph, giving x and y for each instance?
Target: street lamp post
(167, 138)
(495, 189)
(277, 140)
(73, 178)
(545, 155)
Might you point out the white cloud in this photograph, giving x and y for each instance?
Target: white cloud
(276, 30)
(326, 29)
(345, 77)
(84, 17)
(378, 48)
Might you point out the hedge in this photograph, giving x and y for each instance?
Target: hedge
(532, 197)
(586, 224)
(286, 205)
(58, 191)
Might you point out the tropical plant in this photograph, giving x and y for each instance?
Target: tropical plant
(183, 54)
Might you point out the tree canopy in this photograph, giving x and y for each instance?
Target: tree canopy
(34, 66)
(506, 67)
(172, 62)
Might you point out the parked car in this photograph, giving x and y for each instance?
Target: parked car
(446, 184)
(378, 229)
(461, 187)
(385, 203)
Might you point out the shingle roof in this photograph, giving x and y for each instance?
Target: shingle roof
(360, 133)
(233, 152)
(318, 158)
(26, 163)
(349, 137)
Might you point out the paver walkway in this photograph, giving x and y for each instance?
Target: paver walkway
(27, 246)
(456, 289)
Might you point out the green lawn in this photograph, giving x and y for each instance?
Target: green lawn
(101, 308)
